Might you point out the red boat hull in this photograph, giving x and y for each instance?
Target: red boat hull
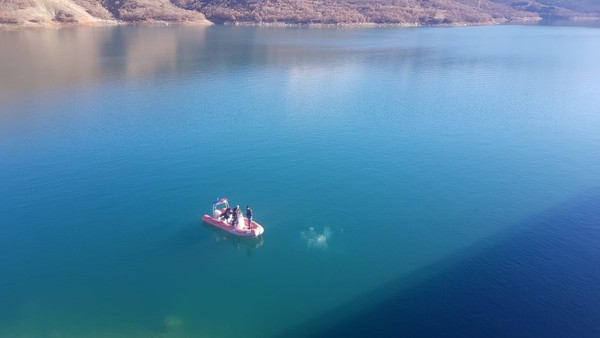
(254, 231)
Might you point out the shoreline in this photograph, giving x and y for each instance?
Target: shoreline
(380, 25)
(53, 25)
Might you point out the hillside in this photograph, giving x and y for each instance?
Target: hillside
(557, 9)
(396, 12)
(49, 13)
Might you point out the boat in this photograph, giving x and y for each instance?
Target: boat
(242, 229)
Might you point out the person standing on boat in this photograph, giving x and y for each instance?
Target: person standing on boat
(226, 214)
(236, 214)
(249, 215)
(240, 218)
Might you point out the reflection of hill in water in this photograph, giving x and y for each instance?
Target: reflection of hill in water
(540, 280)
(42, 61)
(67, 58)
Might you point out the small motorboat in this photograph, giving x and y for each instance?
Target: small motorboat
(242, 228)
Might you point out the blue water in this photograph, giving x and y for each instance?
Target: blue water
(426, 182)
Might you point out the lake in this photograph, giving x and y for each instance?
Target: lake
(411, 182)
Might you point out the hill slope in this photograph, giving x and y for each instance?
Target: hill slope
(399, 12)
(557, 9)
(47, 13)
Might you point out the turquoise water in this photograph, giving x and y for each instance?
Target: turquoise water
(381, 162)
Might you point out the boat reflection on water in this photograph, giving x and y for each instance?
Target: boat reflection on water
(248, 243)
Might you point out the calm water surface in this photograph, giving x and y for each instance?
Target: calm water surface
(413, 182)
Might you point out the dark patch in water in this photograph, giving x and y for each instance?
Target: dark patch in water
(541, 282)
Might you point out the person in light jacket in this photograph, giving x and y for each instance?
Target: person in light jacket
(236, 214)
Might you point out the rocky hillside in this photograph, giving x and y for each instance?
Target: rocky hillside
(396, 12)
(557, 9)
(48, 13)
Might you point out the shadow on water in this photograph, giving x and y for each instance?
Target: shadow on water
(540, 280)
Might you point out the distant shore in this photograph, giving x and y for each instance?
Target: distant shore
(50, 25)
(102, 23)
(386, 13)
(376, 25)
(52, 14)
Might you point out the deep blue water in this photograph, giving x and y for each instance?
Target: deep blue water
(416, 182)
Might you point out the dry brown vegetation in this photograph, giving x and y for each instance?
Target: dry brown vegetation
(556, 9)
(94, 8)
(323, 12)
(147, 10)
(47, 13)
(44, 11)
(400, 12)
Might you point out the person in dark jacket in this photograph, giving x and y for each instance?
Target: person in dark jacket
(226, 214)
(249, 215)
